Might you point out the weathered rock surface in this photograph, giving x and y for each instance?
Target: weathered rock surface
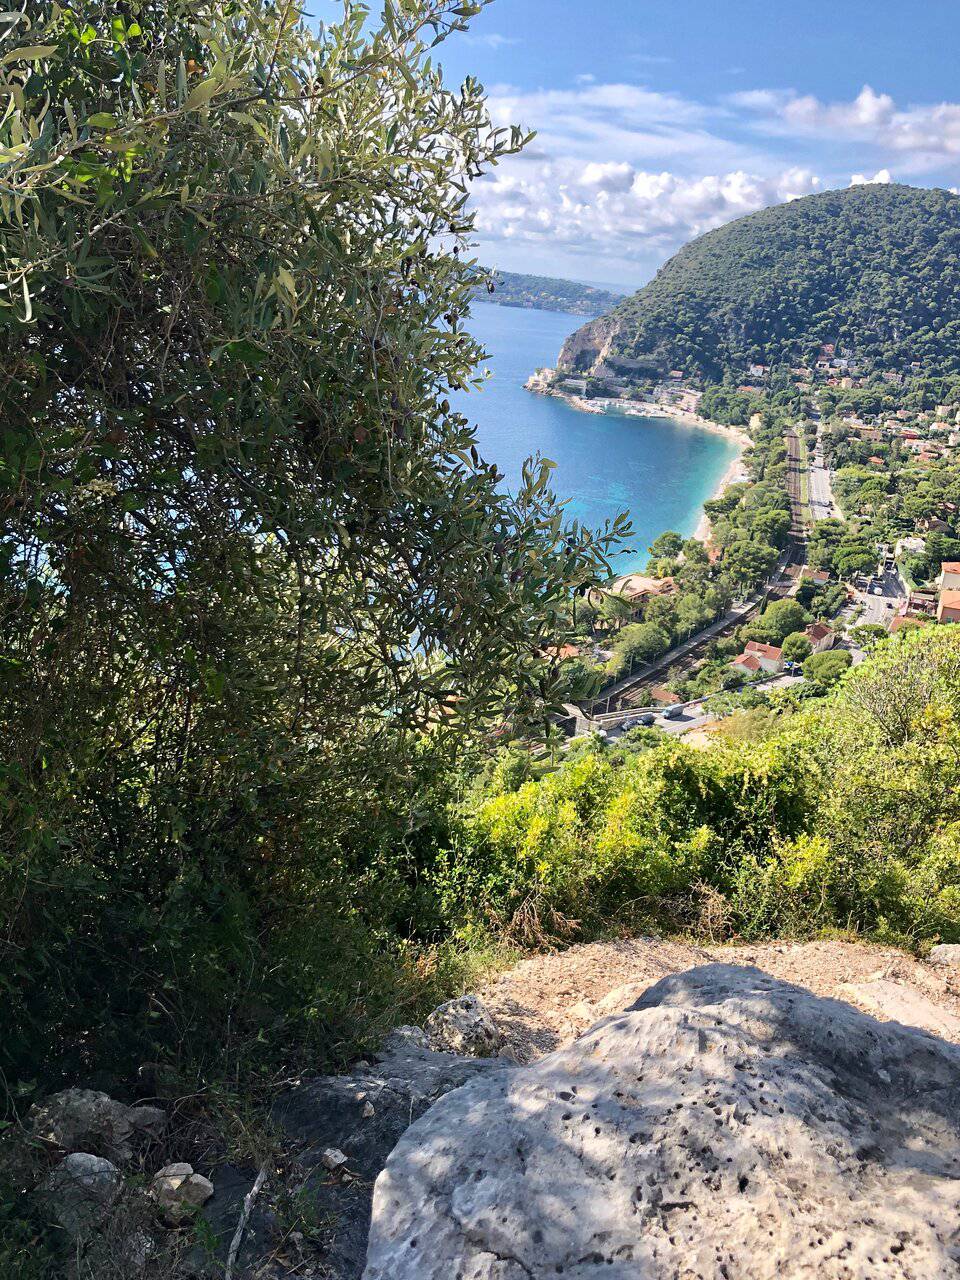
(463, 1026)
(727, 1125)
(947, 953)
(79, 1192)
(892, 1001)
(334, 1113)
(86, 1120)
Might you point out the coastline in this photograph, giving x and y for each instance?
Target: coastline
(735, 472)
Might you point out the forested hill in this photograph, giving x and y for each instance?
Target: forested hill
(874, 269)
(547, 293)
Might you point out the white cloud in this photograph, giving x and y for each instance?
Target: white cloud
(492, 41)
(859, 180)
(615, 210)
(623, 172)
(923, 136)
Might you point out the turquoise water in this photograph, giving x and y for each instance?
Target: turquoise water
(658, 470)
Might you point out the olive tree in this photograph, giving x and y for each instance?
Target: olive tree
(250, 552)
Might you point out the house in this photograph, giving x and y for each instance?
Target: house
(757, 370)
(820, 636)
(664, 696)
(676, 375)
(747, 663)
(637, 586)
(911, 545)
(820, 576)
(577, 385)
(933, 524)
(949, 579)
(767, 656)
(829, 349)
(948, 606)
(875, 461)
(562, 651)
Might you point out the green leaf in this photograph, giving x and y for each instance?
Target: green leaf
(102, 120)
(29, 53)
(201, 94)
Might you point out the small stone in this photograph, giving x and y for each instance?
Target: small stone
(79, 1192)
(464, 1026)
(947, 953)
(333, 1159)
(369, 1110)
(179, 1192)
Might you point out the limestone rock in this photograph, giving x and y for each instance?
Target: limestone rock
(89, 1121)
(333, 1159)
(464, 1026)
(727, 1124)
(901, 1002)
(331, 1111)
(79, 1192)
(946, 953)
(179, 1192)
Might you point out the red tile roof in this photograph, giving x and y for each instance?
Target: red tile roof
(817, 631)
(662, 694)
(766, 650)
(749, 662)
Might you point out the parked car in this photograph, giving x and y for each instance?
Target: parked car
(672, 713)
(647, 719)
(631, 723)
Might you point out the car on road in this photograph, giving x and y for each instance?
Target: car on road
(877, 591)
(632, 723)
(647, 719)
(672, 713)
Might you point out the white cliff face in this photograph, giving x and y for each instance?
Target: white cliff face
(589, 346)
(727, 1124)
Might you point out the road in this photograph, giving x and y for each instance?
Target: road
(694, 714)
(822, 504)
(880, 610)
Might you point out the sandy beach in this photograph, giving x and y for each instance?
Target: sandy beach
(734, 474)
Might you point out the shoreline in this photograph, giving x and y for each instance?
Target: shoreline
(734, 473)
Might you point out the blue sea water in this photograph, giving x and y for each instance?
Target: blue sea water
(658, 470)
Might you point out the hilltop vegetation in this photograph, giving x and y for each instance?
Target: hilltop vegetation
(838, 813)
(873, 269)
(548, 293)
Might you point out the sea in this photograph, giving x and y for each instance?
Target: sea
(658, 470)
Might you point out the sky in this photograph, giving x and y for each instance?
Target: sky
(657, 120)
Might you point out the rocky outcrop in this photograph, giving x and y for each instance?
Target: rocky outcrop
(589, 346)
(726, 1124)
(361, 1117)
(86, 1120)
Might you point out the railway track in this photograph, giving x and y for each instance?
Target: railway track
(791, 566)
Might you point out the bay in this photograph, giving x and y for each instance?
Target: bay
(657, 469)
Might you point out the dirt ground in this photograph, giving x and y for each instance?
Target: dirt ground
(548, 1000)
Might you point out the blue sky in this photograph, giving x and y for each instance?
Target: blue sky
(658, 119)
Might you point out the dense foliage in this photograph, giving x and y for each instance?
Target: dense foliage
(843, 814)
(874, 269)
(255, 580)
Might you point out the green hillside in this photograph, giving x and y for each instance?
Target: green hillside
(874, 269)
(547, 293)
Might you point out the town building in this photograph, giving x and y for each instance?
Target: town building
(760, 657)
(948, 606)
(821, 636)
